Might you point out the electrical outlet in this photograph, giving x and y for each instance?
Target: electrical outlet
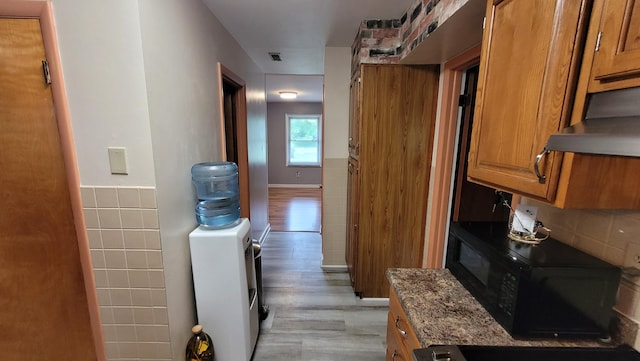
(298, 174)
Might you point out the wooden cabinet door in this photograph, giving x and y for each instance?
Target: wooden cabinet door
(618, 53)
(398, 118)
(353, 191)
(354, 117)
(528, 70)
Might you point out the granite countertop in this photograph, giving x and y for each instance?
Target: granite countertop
(443, 312)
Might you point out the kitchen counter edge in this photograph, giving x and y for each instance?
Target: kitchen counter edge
(443, 312)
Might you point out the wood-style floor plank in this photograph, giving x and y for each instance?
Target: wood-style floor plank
(314, 315)
(295, 209)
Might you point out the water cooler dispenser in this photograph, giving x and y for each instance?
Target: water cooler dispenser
(222, 262)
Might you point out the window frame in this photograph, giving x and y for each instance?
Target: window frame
(288, 118)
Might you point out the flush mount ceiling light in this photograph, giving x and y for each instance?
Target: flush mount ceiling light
(288, 95)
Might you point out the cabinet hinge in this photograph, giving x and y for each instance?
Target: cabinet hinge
(45, 72)
(598, 41)
(464, 100)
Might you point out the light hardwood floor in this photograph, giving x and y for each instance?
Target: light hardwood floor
(295, 209)
(314, 315)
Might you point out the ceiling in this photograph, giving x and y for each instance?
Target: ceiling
(299, 30)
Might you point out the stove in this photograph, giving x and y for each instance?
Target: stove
(515, 353)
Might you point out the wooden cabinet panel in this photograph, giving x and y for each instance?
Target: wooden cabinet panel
(354, 116)
(528, 72)
(397, 111)
(401, 338)
(353, 197)
(395, 349)
(617, 59)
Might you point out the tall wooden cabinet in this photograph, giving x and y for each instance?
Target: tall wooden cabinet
(535, 78)
(392, 121)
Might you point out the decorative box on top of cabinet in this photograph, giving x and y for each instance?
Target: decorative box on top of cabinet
(533, 82)
(393, 110)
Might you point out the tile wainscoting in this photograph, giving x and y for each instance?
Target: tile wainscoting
(334, 211)
(124, 237)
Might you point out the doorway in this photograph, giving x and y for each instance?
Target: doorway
(234, 127)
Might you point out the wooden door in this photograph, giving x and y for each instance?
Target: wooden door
(43, 303)
(353, 191)
(528, 71)
(233, 105)
(398, 117)
(618, 54)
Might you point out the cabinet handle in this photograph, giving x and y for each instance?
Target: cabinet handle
(400, 331)
(536, 166)
(393, 357)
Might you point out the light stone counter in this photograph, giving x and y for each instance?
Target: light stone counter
(443, 312)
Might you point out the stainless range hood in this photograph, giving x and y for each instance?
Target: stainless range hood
(611, 126)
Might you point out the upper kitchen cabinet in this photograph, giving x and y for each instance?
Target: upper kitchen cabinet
(528, 71)
(537, 75)
(616, 61)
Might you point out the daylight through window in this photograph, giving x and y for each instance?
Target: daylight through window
(304, 140)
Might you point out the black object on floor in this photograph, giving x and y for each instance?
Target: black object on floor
(263, 310)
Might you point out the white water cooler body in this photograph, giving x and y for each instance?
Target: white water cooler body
(224, 281)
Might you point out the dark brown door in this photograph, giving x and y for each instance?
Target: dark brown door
(43, 303)
(234, 106)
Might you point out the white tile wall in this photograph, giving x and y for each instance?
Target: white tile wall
(124, 237)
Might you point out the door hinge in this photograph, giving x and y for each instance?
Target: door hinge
(464, 100)
(484, 21)
(45, 72)
(598, 41)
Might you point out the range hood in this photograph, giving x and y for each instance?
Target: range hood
(611, 126)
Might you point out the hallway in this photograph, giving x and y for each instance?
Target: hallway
(314, 315)
(295, 209)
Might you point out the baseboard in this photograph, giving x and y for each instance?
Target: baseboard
(295, 186)
(334, 268)
(373, 301)
(265, 233)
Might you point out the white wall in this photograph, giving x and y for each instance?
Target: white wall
(143, 75)
(337, 76)
(101, 53)
(182, 44)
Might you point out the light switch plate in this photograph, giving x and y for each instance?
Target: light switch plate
(118, 160)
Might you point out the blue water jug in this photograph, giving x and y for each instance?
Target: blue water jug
(216, 186)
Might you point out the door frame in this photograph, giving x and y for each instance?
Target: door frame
(438, 223)
(225, 75)
(42, 10)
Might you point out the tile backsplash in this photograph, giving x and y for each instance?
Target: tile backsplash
(611, 235)
(124, 238)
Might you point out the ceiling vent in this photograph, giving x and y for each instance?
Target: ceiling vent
(275, 56)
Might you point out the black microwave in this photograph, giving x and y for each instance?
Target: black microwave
(549, 290)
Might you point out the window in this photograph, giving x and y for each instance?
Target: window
(304, 143)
